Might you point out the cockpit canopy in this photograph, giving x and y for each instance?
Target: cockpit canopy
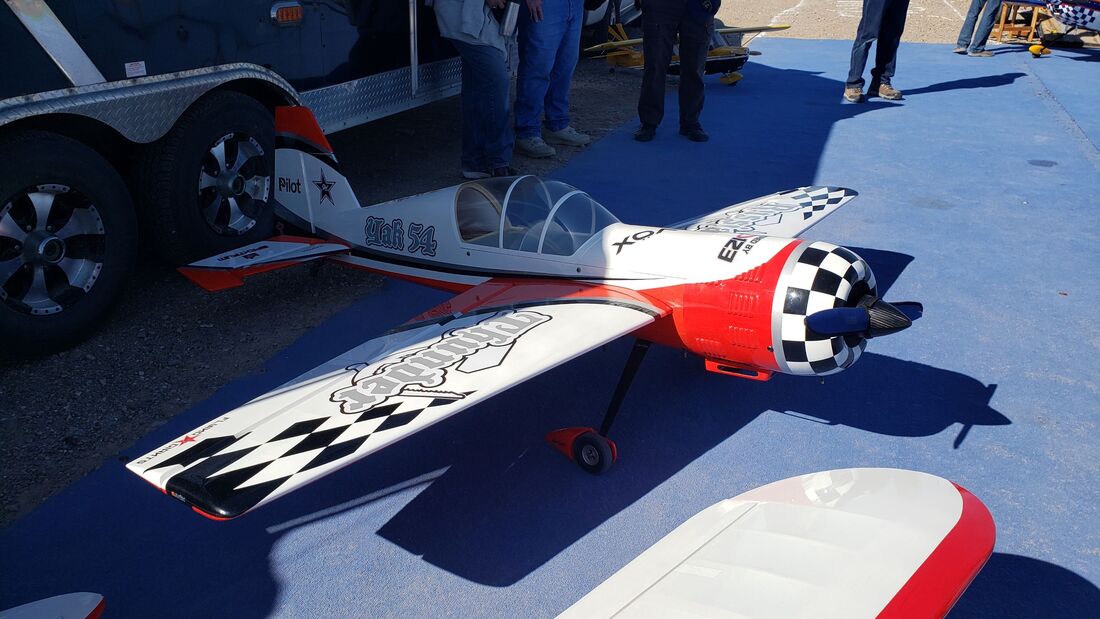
(512, 213)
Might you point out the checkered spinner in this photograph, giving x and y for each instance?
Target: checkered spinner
(235, 474)
(824, 276)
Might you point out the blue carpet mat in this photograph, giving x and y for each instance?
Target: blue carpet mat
(978, 197)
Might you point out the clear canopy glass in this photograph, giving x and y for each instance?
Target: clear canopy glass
(513, 213)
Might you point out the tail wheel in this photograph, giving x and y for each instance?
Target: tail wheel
(67, 241)
(206, 186)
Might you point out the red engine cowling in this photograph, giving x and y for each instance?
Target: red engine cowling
(753, 324)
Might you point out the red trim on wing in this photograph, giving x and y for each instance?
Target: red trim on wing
(97, 612)
(299, 121)
(438, 284)
(501, 292)
(214, 280)
(210, 516)
(937, 584)
(306, 240)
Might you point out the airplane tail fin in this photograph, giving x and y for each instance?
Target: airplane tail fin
(229, 269)
(296, 124)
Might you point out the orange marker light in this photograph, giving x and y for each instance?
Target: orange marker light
(287, 13)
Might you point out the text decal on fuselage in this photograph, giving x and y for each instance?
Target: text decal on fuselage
(378, 232)
(421, 370)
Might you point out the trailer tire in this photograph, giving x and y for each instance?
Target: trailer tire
(68, 238)
(206, 185)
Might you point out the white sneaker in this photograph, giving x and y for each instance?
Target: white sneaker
(535, 147)
(474, 175)
(568, 136)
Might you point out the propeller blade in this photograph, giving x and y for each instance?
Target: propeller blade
(886, 319)
(839, 321)
(872, 317)
(912, 309)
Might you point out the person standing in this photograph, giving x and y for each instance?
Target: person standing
(976, 47)
(662, 21)
(549, 45)
(882, 21)
(487, 139)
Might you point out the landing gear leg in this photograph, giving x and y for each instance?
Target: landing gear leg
(591, 450)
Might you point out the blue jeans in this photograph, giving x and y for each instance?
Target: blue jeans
(486, 132)
(884, 21)
(548, 52)
(985, 27)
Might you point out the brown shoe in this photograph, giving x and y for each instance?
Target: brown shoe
(853, 94)
(888, 92)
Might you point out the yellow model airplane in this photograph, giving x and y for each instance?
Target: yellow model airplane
(726, 56)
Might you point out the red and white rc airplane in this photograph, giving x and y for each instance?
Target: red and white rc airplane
(543, 274)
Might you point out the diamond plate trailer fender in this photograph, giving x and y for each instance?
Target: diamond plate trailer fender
(143, 109)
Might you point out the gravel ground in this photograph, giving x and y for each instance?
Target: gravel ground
(929, 21)
(168, 344)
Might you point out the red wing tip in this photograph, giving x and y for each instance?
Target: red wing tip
(210, 516)
(211, 280)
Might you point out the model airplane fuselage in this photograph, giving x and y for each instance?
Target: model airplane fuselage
(543, 274)
(729, 290)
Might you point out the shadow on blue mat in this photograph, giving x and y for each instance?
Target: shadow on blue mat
(767, 135)
(496, 522)
(1015, 586)
(985, 81)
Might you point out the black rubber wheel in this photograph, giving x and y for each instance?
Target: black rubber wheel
(205, 187)
(592, 453)
(67, 241)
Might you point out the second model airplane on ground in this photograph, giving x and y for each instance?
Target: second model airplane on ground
(543, 274)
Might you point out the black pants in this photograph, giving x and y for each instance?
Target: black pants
(883, 20)
(661, 21)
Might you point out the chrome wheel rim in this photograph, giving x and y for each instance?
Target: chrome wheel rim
(52, 248)
(233, 185)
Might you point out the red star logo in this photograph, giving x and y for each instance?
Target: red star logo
(187, 439)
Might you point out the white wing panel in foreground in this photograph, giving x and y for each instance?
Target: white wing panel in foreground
(375, 394)
(846, 543)
(785, 214)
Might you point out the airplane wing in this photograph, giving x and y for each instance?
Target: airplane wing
(229, 269)
(785, 214)
(490, 338)
(844, 543)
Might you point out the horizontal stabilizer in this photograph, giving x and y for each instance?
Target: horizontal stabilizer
(784, 214)
(228, 270)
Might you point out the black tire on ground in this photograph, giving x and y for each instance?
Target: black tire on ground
(193, 204)
(592, 453)
(68, 237)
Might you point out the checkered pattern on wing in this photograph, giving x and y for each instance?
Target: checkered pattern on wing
(240, 476)
(817, 198)
(1075, 16)
(823, 278)
(312, 443)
